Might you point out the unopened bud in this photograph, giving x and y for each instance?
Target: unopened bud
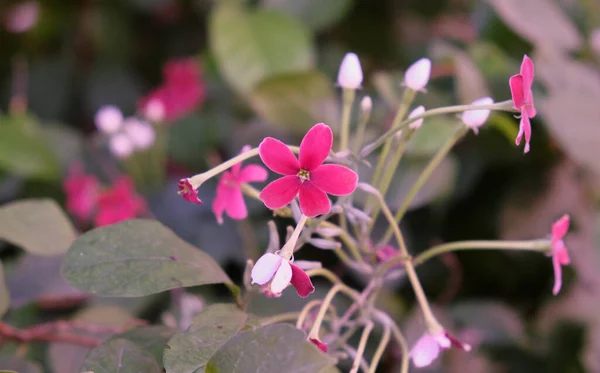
(141, 134)
(476, 118)
(350, 75)
(154, 110)
(120, 145)
(108, 119)
(324, 244)
(329, 232)
(416, 76)
(419, 110)
(366, 104)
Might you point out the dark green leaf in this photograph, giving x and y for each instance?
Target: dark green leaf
(189, 352)
(16, 364)
(37, 225)
(4, 295)
(250, 46)
(316, 14)
(136, 258)
(120, 356)
(296, 101)
(152, 339)
(273, 348)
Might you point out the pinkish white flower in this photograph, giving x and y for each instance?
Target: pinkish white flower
(476, 118)
(419, 110)
(141, 134)
(120, 145)
(306, 177)
(350, 75)
(560, 255)
(109, 119)
(229, 197)
(522, 96)
(417, 75)
(278, 273)
(120, 202)
(22, 17)
(428, 347)
(81, 190)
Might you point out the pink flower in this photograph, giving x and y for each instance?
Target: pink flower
(181, 92)
(560, 255)
(522, 96)
(22, 17)
(119, 203)
(229, 197)
(278, 272)
(307, 177)
(82, 192)
(187, 190)
(322, 346)
(428, 347)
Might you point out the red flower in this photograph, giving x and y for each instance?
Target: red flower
(560, 255)
(522, 96)
(82, 192)
(307, 177)
(188, 191)
(322, 346)
(119, 203)
(181, 92)
(229, 197)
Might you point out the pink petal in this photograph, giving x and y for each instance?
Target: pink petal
(526, 127)
(235, 169)
(265, 268)
(235, 206)
(278, 157)
(528, 72)
(218, 206)
(187, 191)
(280, 192)
(313, 201)
(322, 346)
(456, 343)
(517, 91)
(301, 282)
(557, 275)
(334, 179)
(560, 227)
(252, 173)
(425, 351)
(315, 146)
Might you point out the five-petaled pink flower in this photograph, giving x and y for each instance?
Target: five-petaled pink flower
(229, 197)
(119, 203)
(428, 347)
(278, 273)
(522, 96)
(81, 190)
(560, 255)
(307, 176)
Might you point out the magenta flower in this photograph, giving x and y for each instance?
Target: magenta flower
(522, 96)
(81, 190)
(322, 346)
(181, 92)
(560, 255)
(229, 197)
(119, 203)
(307, 176)
(187, 190)
(428, 347)
(278, 273)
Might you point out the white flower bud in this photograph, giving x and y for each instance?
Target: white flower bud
(141, 134)
(350, 75)
(415, 113)
(120, 145)
(366, 104)
(108, 119)
(154, 110)
(416, 76)
(476, 118)
(325, 244)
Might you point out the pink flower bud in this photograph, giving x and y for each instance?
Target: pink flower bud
(120, 145)
(350, 75)
(366, 104)
(416, 76)
(108, 119)
(419, 110)
(141, 134)
(476, 118)
(154, 110)
(22, 17)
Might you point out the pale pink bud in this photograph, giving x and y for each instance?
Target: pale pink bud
(419, 110)
(154, 110)
(350, 75)
(476, 118)
(366, 104)
(141, 134)
(22, 17)
(120, 145)
(416, 76)
(595, 41)
(108, 119)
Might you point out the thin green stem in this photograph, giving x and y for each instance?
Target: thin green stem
(288, 316)
(363, 120)
(288, 249)
(339, 287)
(323, 272)
(348, 99)
(385, 339)
(362, 344)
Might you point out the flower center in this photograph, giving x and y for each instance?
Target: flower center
(304, 175)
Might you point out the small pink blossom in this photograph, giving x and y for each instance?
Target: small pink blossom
(81, 190)
(278, 273)
(322, 346)
(417, 75)
(22, 17)
(386, 253)
(229, 197)
(119, 203)
(560, 255)
(428, 347)
(188, 191)
(307, 176)
(350, 75)
(181, 92)
(522, 96)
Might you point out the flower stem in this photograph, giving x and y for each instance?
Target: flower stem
(385, 339)
(431, 166)
(339, 287)
(542, 246)
(504, 106)
(359, 135)
(288, 249)
(386, 320)
(348, 99)
(288, 316)
(323, 272)
(362, 344)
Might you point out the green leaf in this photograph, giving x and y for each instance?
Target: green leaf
(250, 46)
(24, 151)
(136, 258)
(120, 355)
(152, 339)
(296, 101)
(189, 352)
(316, 14)
(39, 226)
(273, 348)
(15, 364)
(4, 294)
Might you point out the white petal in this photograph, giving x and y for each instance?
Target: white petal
(108, 119)
(350, 74)
(476, 118)
(416, 76)
(282, 277)
(425, 351)
(416, 112)
(120, 145)
(265, 268)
